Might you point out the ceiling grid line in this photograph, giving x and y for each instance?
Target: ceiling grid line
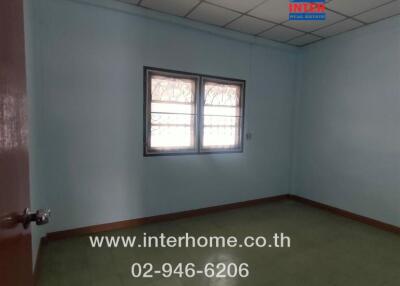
(347, 16)
(194, 8)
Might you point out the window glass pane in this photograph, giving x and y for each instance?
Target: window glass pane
(221, 121)
(221, 116)
(172, 108)
(218, 110)
(221, 94)
(173, 113)
(171, 137)
(220, 137)
(172, 89)
(171, 119)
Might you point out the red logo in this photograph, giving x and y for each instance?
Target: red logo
(306, 8)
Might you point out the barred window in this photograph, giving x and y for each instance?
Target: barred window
(189, 113)
(221, 115)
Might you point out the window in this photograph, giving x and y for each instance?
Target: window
(190, 113)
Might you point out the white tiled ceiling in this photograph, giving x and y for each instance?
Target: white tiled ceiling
(175, 7)
(273, 10)
(238, 5)
(212, 14)
(250, 25)
(281, 34)
(340, 27)
(353, 7)
(269, 18)
(381, 12)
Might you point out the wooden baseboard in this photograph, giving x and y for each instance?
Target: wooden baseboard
(203, 211)
(159, 218)
(347, 214)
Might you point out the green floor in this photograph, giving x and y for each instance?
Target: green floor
(326, 250)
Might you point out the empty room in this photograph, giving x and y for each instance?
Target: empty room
(199, 142)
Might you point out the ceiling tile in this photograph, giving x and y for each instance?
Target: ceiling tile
(380, 13)
(273, 10)
(212, 14)
(338, 28)
(304, 40)
(250, 25)
(238, 5)
(309, 26)
(175, 7)
(281, 34)
(353, 7)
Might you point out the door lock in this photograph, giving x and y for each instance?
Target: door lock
(40, 217)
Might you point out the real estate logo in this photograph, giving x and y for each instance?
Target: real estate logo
(307, 10)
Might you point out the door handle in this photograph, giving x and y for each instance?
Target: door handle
(40, 217)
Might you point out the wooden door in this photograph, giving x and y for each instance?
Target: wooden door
(15, 241)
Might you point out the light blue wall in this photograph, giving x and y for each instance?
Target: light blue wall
(340, 145)
(348, 122)
(87, 120)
